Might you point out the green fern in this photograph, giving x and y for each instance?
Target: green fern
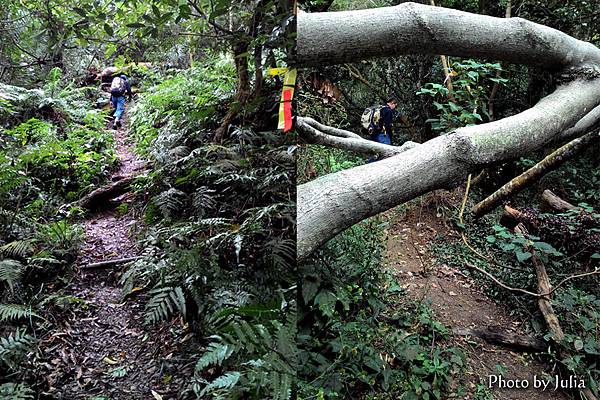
(226, 381)
(170, 202)
(282, 252)
(272, 349)
(215, 355)
(18, 249)
(14, 347)
(15, 311)
(163, 303)
(16, 391)
(10, 272)
(203, 201)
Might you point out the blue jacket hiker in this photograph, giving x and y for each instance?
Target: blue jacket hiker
(118, 88)
(382, 131)
(381, 124)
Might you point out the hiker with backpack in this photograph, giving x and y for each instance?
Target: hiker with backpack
(118, 88)
(378, 121)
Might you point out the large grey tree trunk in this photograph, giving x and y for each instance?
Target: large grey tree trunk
(334, 202)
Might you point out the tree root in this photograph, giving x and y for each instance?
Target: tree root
(494, 335)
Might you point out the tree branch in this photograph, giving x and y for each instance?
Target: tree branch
(409, 28)
(345, 140)
(533, 174)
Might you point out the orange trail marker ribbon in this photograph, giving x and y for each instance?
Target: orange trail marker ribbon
(287, 95)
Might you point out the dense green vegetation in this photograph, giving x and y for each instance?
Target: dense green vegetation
(219, 246)
(54, 149)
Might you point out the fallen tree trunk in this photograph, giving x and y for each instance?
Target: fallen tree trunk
(544, 286)
(101, 196)
(555, 203)
(505, 339)
(409, 28)
(545, 306)
(332, 203)
(548, 164)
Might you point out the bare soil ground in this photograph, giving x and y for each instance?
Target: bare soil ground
(457, 302)
(103, 349)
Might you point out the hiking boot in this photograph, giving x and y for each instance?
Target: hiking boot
(117, 123)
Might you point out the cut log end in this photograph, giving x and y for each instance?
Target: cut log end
(553, 202)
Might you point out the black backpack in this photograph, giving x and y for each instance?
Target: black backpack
(117, 87)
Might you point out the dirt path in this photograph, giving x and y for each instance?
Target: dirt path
(457, 303)
(104, 350)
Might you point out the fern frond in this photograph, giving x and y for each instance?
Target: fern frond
(226, 381)
(163, 303)
(14, 346)
(215, 355)
(16, 391)
(235, 177)
(170, 202)
(10, 271)
(203, 200)
(18, 249)
(15, 311)
(283, 252)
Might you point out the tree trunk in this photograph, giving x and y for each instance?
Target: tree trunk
(240, 51)
(409, 28)
(332, 203)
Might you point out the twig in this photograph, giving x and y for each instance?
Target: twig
(500, 283)
(110, 263)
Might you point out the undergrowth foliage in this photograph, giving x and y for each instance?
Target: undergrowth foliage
(560, 245)
(219, 246)
(355, 339)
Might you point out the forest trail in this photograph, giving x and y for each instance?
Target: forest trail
(457, 302)
(104, 348)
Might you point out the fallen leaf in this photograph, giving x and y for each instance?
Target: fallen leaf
(156, 395)
(136, 289)
(110, 361)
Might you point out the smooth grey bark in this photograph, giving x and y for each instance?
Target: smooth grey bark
(586, 124)
(411, 28)
(314, 132)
